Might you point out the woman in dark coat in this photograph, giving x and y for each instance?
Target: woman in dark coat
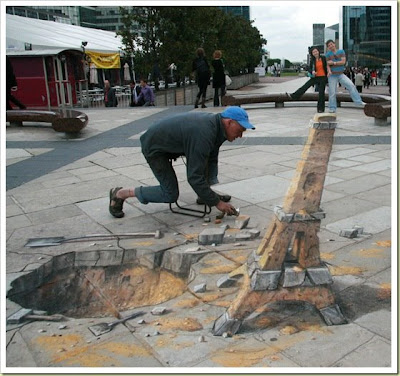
(218, 77)
(202, 69)
(319, 76)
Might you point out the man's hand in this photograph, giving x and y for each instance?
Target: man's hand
(225, 207)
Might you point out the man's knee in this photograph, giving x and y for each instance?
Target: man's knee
(171, 196)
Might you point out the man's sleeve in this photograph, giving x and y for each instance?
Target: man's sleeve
(342, 56)
(213, 167)
(197, 165)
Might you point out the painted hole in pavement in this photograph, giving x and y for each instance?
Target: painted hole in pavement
(94, 291)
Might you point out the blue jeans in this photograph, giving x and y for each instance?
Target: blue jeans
(168, 190)
(346, 82)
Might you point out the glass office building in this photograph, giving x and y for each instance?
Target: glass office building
(243, 11)
(367, 35)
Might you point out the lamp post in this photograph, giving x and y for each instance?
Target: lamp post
(85, 73)
(133, 68)
(357, 39)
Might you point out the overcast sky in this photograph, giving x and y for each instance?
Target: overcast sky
(288, 25)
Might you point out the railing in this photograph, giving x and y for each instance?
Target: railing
(176, 96)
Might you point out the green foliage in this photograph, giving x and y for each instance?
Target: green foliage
(288, 64)
(172, 34)
(272, 62)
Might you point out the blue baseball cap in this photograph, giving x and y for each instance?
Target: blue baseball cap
(238, 114)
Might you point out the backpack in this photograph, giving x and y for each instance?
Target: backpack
(201, 66)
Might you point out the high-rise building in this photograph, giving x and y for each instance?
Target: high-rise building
(238, 11)
(332, 32)
(318, 34)
(321, 34)
(98, 17)
(68, 15)
(367, 35)
(104, 18)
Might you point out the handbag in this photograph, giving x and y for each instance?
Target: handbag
(228, 80)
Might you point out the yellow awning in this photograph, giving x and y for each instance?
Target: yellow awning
(104, 60)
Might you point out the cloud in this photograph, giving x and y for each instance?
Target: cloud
(288, 26)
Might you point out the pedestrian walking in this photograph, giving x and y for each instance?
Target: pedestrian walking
(202, 69)
(373, 78)
(218, 77)
(336, 59)
(359, 80)
(389, 83)
(367, 78)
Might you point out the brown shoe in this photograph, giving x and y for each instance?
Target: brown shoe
(115, 206)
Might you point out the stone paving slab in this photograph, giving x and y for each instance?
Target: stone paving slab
(72, 199)
(366, 257)
(256, 190)
(346, 207)
(376, 351)
(331, 345)
(77, 346)
(367, 219)
(241, 353)
(18, 352)
(97, 210)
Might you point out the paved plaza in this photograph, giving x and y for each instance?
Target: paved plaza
(58, 185)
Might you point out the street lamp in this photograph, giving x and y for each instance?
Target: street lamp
(85, 75)
(357, 39)
(133, 68)
(83, 45)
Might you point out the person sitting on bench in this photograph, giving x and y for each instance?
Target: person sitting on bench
(146, 96)
(195, 135)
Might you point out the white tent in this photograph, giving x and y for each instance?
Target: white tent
(50, 38)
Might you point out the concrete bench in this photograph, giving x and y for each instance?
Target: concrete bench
(380, 111)
(63, 120)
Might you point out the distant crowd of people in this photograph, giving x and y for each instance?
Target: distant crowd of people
(362, 77)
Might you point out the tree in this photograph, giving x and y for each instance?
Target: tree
(144, 47)
(172, 35)
(288, 64)
(273, 62)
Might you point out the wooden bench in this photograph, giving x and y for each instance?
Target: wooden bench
(380, 111)
(280, 98)
(63, 120)
(377, 106)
